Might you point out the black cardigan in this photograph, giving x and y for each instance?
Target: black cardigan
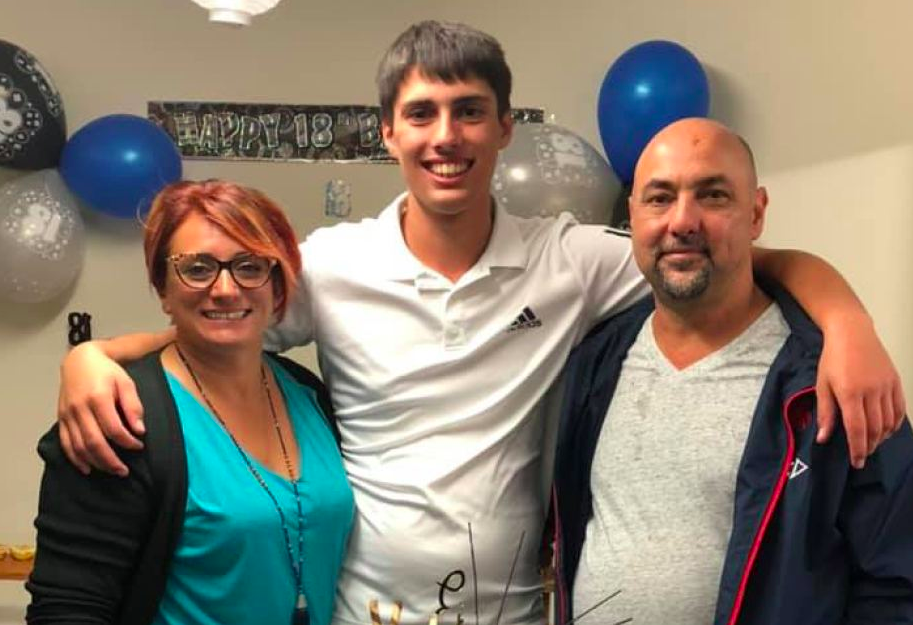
(105, 542)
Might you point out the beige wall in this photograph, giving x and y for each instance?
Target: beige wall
(820, 87)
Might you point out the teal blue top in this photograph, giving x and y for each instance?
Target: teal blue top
(231, 564)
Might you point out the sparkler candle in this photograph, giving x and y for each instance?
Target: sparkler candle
(454, 581)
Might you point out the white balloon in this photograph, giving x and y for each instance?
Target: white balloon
(41, 238)
(548, 169)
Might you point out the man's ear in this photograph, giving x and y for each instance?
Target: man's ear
(386, 132)
(507, 130)
(758, 213)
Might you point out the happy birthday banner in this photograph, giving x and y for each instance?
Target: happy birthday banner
(282, 132)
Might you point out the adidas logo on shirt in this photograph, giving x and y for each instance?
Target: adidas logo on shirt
(525, 320)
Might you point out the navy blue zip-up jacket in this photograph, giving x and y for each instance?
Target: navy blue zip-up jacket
(833, 545)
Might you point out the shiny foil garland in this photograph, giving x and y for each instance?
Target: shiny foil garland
(282, 132)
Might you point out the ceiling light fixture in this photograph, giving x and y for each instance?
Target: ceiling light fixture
(235, 12)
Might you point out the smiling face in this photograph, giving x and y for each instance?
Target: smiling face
(223, 314)
(446, 137)
(695, 210)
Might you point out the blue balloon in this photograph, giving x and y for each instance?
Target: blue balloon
(647, 88)
(118, 163)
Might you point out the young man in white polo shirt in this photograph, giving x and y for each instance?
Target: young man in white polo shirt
(441, 326)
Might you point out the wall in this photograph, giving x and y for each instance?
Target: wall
(818, 87)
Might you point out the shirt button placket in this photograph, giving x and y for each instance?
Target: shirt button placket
(454, 332)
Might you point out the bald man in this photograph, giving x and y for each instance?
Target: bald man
(687, 476)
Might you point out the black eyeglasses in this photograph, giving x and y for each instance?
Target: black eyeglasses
(200, 271)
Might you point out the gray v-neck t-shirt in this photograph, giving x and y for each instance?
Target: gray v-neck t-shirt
(663, 478)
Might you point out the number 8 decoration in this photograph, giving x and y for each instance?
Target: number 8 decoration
(548, 169)
(41, 238)
(32, 121)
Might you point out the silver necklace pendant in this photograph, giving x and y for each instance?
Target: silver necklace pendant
(301, 616)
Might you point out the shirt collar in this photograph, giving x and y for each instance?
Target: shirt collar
(505, 247)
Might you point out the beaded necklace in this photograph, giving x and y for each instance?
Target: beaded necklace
(300, 615)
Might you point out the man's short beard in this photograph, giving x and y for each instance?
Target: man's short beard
(684, 291)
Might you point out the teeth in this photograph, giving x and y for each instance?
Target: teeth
(449, 169)
(225, 315)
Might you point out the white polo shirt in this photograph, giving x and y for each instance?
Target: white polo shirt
(441, 391)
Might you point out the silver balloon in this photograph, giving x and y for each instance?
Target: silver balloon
(548, 169)
(41, 238)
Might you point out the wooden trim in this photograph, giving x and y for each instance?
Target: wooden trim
(13, 569)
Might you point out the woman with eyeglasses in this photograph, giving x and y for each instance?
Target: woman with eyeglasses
(237, 510)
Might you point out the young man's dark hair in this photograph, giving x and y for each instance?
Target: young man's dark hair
(445, 51)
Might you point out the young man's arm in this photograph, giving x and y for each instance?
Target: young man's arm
(98, 400)
(855, 372)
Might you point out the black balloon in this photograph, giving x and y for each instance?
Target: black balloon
(33, 127)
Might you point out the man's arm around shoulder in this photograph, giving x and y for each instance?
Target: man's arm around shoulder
(98, 400)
